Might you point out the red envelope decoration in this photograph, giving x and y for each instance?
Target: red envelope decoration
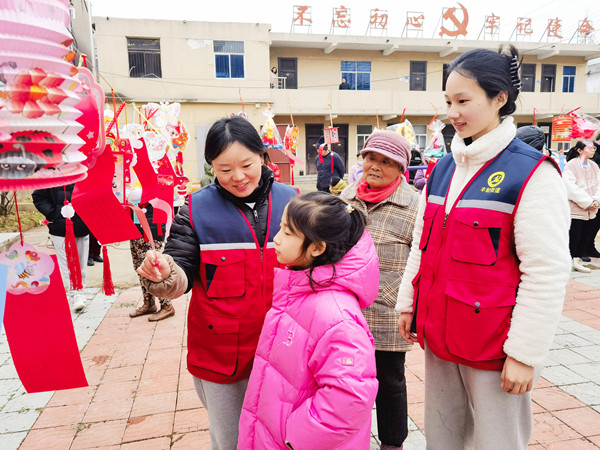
(95, 202)
(41, 338)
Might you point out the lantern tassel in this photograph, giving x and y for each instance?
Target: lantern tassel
(72, 255)
(107, 283)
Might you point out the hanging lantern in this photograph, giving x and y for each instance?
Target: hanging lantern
(331, 135)
(561, 128)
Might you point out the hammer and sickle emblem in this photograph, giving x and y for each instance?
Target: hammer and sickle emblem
(461, 27)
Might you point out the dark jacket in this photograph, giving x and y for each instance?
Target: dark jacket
(324, 173)
(49, 202)
(183, 245)
(153, 226)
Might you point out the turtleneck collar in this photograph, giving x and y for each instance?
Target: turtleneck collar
(486, 147)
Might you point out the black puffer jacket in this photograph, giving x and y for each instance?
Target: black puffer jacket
(183, 245)
(49, 202)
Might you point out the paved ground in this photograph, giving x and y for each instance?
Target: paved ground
(140, 394)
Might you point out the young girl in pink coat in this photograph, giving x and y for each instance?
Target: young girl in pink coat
(313, 382)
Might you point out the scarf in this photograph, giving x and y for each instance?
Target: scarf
(376, 195)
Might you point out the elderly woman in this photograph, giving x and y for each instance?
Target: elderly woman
(390, 204)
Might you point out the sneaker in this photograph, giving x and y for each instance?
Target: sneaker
(78, 302)
(165, 311)
(586, 259)
(90, 262)
(579, 267)
(98, 258)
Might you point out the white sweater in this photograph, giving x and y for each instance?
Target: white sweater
(542, 244)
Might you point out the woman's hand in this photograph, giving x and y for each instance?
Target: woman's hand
(154, 267)
(404, 324)
(516, 378)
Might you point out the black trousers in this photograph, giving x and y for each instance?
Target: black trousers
(391, 402)
(579, 237)
(590, 245)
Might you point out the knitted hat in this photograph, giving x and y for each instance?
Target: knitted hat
(389, 144)
(533, 136)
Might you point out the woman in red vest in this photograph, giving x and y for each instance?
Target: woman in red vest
(486, 277)
(232, 222)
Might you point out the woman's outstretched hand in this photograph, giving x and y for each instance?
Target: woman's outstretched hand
(154, 267)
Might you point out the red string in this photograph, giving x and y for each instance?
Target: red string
(18, 217)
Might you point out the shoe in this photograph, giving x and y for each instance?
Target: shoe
(146, 308)
(90, 262)
(78, 302)
(586, 259)
(579, 267)
(165, 311)
(595, 254)
(98, 258)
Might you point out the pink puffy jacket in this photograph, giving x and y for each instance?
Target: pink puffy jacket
(313, 381)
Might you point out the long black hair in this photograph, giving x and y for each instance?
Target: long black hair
(226, 131)
(574, 151)
(323, 217)
(494, 72)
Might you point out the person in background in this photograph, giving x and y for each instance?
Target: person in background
(94, 251)
(582, 180)
(486, 278)
(356, 171)
(344, 85)
(50, 202)
(331, 165)
(274, 167)
(337, 185)
(390, 205)
(313, 381)
(209, 175)
(590, 245)
(138, 248)
(419, 181)
(221, 248)
(274, 79)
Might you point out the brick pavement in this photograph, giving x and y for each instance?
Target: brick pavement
(140, 394)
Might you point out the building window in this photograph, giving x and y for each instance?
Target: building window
(418, 75)
(548, 77)
(420, 136)
(229, 59)
(357, 74)
(568, 78)
(444, 76)
(362, 134)
(528, 77)
(144, 57)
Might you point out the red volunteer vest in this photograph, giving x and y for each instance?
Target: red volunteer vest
(467, 283)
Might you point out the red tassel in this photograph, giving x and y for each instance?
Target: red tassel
(321, 153)
(72, 255)
(332, 163)
(107, 283)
